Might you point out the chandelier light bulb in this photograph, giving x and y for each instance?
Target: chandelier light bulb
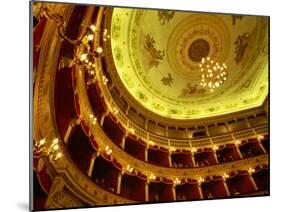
(93, 28)
(91, 37)
(213, 74)
(99, 50)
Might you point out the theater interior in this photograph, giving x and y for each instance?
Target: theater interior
(146, 106)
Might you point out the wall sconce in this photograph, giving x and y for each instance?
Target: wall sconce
(115, 111)
(193, 150)
(200, 180)
(215, 148)
(260, 137)
(41, 150)
(104, 80)
(151, 143)
(251, 170)
(176, 181)
(225, 176)
(108, 151)
(237, 142)
(93, 119)
(86, 52)
(105, 35)
(129, 169)
(172, 149)
(152, 177)
(132, 131)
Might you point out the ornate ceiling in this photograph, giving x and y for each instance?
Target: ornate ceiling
(157, 56)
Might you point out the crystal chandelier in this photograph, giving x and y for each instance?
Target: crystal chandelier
(213, 74)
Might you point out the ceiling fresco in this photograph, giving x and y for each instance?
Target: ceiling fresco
(157, 56)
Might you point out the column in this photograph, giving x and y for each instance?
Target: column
(227, 127)
(253, 181)
(146, 123)
(90, 170)
(247, 123)
(207, 131)
(103, 117)
(170, 159)
(193, 159)
(226, 187)
(123, 141)
(119, 181)
(200, 191)
(216, 157)
(261, 146)
(147, 191)
(127, 110)
(146, 154)
(238, 150)
(174, 192)
(67, 134)
(72, 124)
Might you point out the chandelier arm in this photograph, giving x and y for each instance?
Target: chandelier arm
(62, 26)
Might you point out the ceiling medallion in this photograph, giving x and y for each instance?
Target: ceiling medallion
(213, 74)
(199, 49)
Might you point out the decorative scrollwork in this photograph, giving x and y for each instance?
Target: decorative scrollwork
(241, 45)
(167, 80)
(235, 17)
(165, 16)
(155, 54)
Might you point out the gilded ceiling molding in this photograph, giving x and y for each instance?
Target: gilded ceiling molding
(189, 89)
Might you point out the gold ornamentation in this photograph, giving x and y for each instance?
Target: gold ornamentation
(167, 80)
(165, 16)
(198, 49)
(235, 17)
(84, 43)
(191, 89)
(41, 150)
(155, 54)
(213, 74)
(241, 45)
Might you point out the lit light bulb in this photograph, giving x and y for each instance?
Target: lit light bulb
(99, 50)
(91, 37)
(42, 142)
(83, 57)
(225, 176)
(56, 147)
(58, 155)
(55, 141)
(93, 28)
